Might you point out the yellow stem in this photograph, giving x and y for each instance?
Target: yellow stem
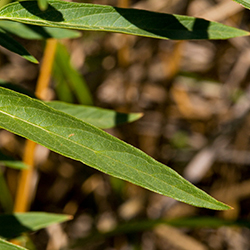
(45, 71)
(24, 186)
(123, 52)
(123, 3)
(24, 191)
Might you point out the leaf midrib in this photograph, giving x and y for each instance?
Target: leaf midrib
(125, 30)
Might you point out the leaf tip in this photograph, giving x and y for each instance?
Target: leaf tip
(43, 5)
(140, 115)
(224, 207)
(31, 59)
(70, 217)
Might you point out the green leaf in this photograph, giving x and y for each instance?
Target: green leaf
(28, 31)
(101, 118)
(244, 3)
(75, 139)
(13, 225)
(145, 225)
(6, 200)
(9, 43)
(14, 164)
(62, 88)
(16, 88)
(4, 245)
(11, 162)
(64, 71)
(107, 18)
(4, 2)
(43, 4)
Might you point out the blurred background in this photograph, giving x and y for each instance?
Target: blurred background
(195, 96)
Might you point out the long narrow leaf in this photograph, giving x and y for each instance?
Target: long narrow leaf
(11, 162)
(43, 4)
(244, 3)
(101, 118)
(11, 44)
(75, 139)
(62, 88)
(145, 225)
(107, 18)
(71, 76)
(13, 225)
(6, 201)
(16, 87)
(4, 245)
(28, 31)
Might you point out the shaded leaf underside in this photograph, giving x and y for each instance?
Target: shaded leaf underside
(13, 225)
(28, 31)
(11, 44)
(101, 118)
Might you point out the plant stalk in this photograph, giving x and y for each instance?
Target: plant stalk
(24, 189)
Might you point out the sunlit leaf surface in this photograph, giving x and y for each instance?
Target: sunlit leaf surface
(82, 16)
(75, 139)
(244, 3)
(4, 245)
